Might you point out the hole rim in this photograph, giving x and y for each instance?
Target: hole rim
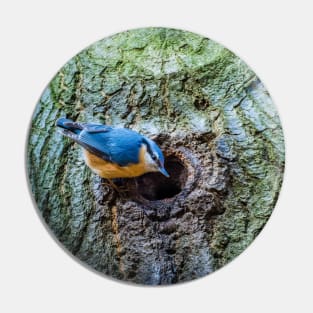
(191, 167)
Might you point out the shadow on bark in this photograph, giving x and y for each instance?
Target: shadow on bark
(222, 141)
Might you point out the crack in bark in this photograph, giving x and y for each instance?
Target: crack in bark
(200, 104)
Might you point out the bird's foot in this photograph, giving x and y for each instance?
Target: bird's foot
(117, 185)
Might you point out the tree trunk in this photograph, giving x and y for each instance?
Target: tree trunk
(221, 137)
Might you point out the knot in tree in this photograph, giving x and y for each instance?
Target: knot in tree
(217, 128)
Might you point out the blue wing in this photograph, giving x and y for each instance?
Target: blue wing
(96, 128)
(116, 145)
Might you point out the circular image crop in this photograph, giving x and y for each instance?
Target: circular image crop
(155, 156)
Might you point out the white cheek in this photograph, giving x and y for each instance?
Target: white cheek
(150, 164)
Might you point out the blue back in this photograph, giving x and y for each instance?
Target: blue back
(117, 145)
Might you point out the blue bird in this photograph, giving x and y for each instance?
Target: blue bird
(113, 152)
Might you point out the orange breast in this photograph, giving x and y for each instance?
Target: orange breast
(109, 170)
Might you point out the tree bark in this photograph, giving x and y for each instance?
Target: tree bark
(221, 137)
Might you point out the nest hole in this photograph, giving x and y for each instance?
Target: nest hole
(155, 186)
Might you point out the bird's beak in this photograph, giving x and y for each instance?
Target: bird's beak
(164, 172)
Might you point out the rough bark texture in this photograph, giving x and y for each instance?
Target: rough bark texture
(220, 133)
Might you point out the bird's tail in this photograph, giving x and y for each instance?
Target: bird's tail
(69, 125)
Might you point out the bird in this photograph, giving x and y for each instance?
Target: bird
(114, 152)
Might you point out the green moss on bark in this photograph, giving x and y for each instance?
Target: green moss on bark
(187, 92)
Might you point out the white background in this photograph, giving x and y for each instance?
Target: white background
(274, 38)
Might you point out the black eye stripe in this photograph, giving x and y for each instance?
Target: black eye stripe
(152, 154)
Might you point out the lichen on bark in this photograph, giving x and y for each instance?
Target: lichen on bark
(206, 109)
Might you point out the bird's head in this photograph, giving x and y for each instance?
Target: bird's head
(154, 158)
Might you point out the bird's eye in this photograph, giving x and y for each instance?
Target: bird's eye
(154, 157)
